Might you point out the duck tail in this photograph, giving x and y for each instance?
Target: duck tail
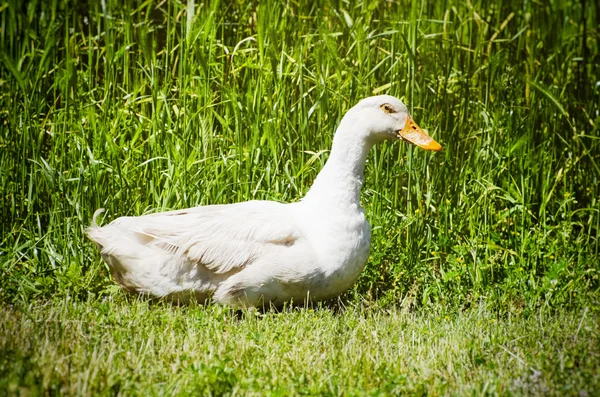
(93, 230)
(95, 216)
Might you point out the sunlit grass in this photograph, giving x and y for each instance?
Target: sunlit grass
(133, 348)
(483, 275)
(167, 105)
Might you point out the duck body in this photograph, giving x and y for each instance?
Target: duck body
(240, 254)
(260, 252)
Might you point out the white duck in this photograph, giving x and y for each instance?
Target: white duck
(264, 252)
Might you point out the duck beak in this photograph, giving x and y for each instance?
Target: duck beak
(415, 135)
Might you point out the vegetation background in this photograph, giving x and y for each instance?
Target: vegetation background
(488, 252)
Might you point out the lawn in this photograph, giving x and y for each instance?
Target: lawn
(130, 347)
(484, 269)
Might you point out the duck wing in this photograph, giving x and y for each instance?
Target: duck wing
(222, 238)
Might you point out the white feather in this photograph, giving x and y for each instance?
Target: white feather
(259, 251)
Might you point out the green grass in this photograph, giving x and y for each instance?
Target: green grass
(122, 347)
(143, 106)
(138, 108)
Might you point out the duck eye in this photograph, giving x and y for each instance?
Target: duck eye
(387, 108)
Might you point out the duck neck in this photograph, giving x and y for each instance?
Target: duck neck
(341, 179)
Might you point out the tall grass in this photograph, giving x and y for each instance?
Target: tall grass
(141, 106)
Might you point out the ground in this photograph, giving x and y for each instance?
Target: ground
(121, 345)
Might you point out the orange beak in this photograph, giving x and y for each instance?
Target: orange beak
(415, 135)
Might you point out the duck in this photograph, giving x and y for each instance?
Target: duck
(258, 253)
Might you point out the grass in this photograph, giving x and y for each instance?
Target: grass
(142, 106)
(115, 346)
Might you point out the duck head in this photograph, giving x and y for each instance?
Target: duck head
(384, 117)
